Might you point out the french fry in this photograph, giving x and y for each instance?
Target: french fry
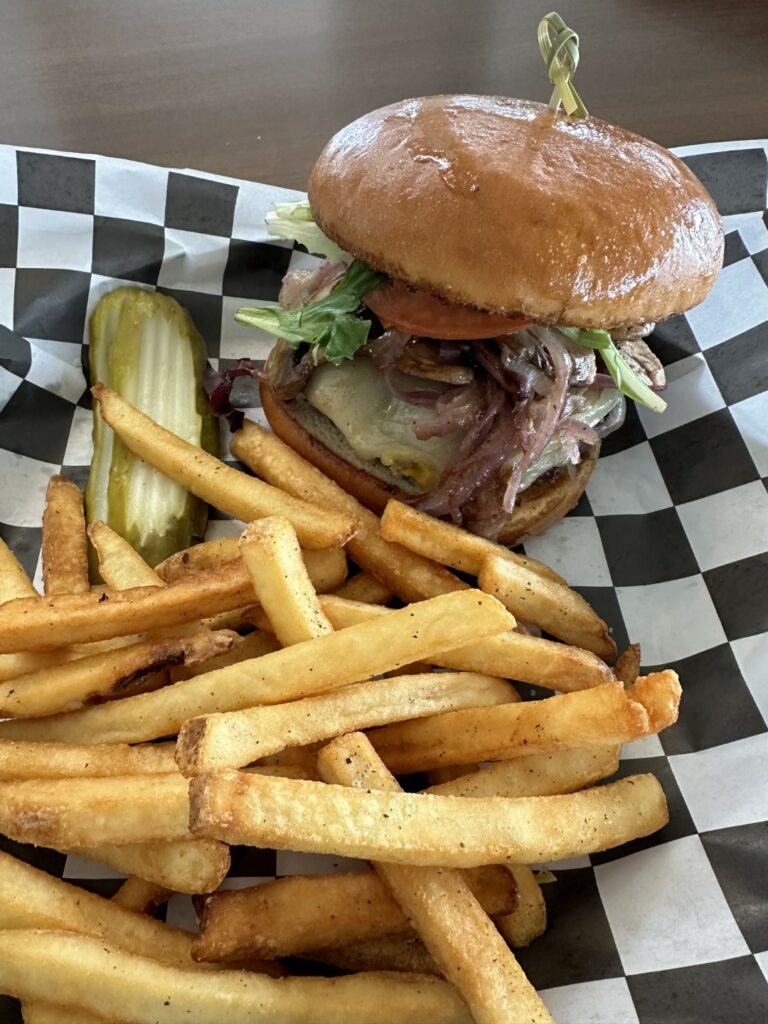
(447, 773)
(285, 771)
(209, 554)
(416, 828)
(365, 588)
(226, 488)
(270, 552)
(44, 623)
(120, 566)
(243, 648)
(65, 548)
(32, 899)
(402, 953)
(92, 976)
(450, 545)
(529, 919)
(14, 582)
(554, 607)
(140, 895)
(186, 865)
(13, 665)
(409, 954)
(603, 716)
(659, 693)
(304, 756)
(316, 666)
(116, 673)
(451, 922)
(210, 743)
(134, 894)
(21, 760)
(627, 666)
(563, 771)
(528, 659)
(327, 568)
(113, 811)
(291, 915)
(411, 577)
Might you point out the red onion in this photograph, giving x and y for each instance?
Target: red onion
(302, 286)
(544, 414)
(454, 410)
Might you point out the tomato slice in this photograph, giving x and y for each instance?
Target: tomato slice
(415, 312)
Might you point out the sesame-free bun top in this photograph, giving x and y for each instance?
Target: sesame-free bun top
(506, 206)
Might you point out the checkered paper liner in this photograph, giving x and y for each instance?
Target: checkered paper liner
(670, 544)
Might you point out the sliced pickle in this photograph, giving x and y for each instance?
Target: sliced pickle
(145, 346)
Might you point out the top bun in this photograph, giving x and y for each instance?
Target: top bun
(506, 206)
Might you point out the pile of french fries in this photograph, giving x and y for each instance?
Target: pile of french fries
(288, 696)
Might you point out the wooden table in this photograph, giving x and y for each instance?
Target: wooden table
(253, 88)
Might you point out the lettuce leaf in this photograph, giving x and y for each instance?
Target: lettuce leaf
(626, 379)
(329, 324)
(295, 221)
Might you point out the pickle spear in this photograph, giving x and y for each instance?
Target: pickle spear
(145, 346)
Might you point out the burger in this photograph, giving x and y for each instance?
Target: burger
(492, 271)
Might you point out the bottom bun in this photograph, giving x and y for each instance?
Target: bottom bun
(537, 508)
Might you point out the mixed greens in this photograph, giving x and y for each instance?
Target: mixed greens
(330, 325)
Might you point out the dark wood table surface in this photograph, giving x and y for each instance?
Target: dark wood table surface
(253, 88)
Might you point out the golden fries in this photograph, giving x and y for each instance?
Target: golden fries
(117, 673)
(412, 577)
(95, 977)
(120, 566)
(327, 663)
(453, 925)
(38, 624)
(14, 582)
(604, 715)
(32, 899)
(243, 648)
(404, 953)
(554, 607)
(448, 544)
(20, 760)
(401, 952)
(563, 771)
(233, 492)
(415, 828)
(327, 568)
(65, 548)
(291, 915)
(140, 895)
(184, 865)
(271, 554)
(628, 665)
(207, 744)
(134, 894)
(109, 811)
(528, 659)
(286, 709)
(529, 918)
(209, 554)
(364, 588)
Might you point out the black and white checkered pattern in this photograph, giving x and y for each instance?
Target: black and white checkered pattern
(670, 544)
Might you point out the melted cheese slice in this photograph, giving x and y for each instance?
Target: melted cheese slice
(377, 425)
(355, 397)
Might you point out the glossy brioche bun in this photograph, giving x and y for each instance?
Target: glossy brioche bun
(538, 507)
(504, 205)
